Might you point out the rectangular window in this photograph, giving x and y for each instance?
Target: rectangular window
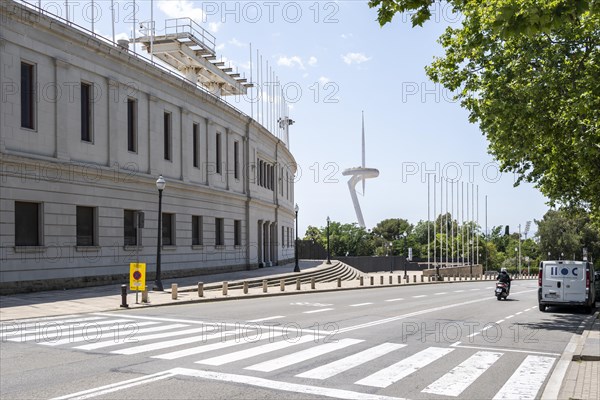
(237, 232)
(85, 226)
(167, 135)
(27, 224)
(219, 232)
(27, 96)
(283, 236)
(236, 160)
(129, 228)
(168, 229)
(195, 145)
(196, 230)
(132, 125)
(86, 112)
(218, 154)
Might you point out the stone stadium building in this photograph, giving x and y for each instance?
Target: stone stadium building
(87, 127)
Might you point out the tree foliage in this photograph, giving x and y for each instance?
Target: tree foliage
(528, 72)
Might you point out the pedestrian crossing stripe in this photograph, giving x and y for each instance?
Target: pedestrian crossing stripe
(526, 381)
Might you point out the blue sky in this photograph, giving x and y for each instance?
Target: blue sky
(343, 63)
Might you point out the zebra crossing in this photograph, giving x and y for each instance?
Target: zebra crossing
(248, 350)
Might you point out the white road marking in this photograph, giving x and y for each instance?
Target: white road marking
(178, 342)
(360, 304)
(41, 326)
(206, 348)
(414, 314)
(462, 376)
(134, 339)
(440, 293)
(508, 350)
(459, 291)
(499, 321)
(336, 367)
(416, 297)
(475, 289)
(267, 318)
(401, 369)
(254, 351)
(520, 312)
(527, 380)
(509, 317)
(303, 355)
(318, 311)
(89, 334)
(398, 299)
(177, 320)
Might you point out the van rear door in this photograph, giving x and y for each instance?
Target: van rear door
(574, 281)
(552, 283)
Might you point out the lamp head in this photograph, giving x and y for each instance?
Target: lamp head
(328, 219)
(296, 208)
(161, 183)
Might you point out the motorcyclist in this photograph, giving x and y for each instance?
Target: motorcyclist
(504, 277)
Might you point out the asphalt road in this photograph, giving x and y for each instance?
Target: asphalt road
(418, 342)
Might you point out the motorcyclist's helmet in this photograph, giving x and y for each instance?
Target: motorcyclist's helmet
(503, 270)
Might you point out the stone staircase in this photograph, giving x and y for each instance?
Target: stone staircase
(325, 273)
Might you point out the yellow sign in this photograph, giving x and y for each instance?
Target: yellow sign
(137, 276)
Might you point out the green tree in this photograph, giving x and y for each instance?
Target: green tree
(566, 232)
(392, 229)
(527, 71)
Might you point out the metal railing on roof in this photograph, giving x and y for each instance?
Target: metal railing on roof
(187, 25)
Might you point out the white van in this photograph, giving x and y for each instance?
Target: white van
(566, 283)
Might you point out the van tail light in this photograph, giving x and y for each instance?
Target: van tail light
(540, 277)
(587, 279)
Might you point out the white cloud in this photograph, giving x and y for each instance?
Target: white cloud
(346, 35)
(236, 42)
(323, 80)
(355, 58)
(312, 61)
(214, 26)
(181, 8)
(220, 47)
(290, 62)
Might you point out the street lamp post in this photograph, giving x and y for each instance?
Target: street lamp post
(328, 253)
(160, 185)
(391, 254)
(296, 266)
(403, 235)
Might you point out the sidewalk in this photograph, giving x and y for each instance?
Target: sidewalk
(580, 363)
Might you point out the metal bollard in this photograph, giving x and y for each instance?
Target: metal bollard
(282, 285)
(200, 289)
(265, 286)
(124, 296)
(173, 291)
(225, 287)
(406, 278)
(312, 283)
(339, 282)
(145, 295)
(422, 279)
(362, 281)
(245, 286)
(298, 283)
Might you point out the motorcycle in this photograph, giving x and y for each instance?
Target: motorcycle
(501, 290)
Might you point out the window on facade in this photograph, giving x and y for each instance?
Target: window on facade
(85, 226)
(283, 236)
(27, 224)
(237, 232)
(236, 160)
(167, 135)
(129, 228)
(219, 232)
(132, 124)
(196, 230)
(196, 145)
(27, 96)
(218, 154)
(86, 112)
(168, 229)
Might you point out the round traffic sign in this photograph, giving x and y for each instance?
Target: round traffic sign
(137, 275)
